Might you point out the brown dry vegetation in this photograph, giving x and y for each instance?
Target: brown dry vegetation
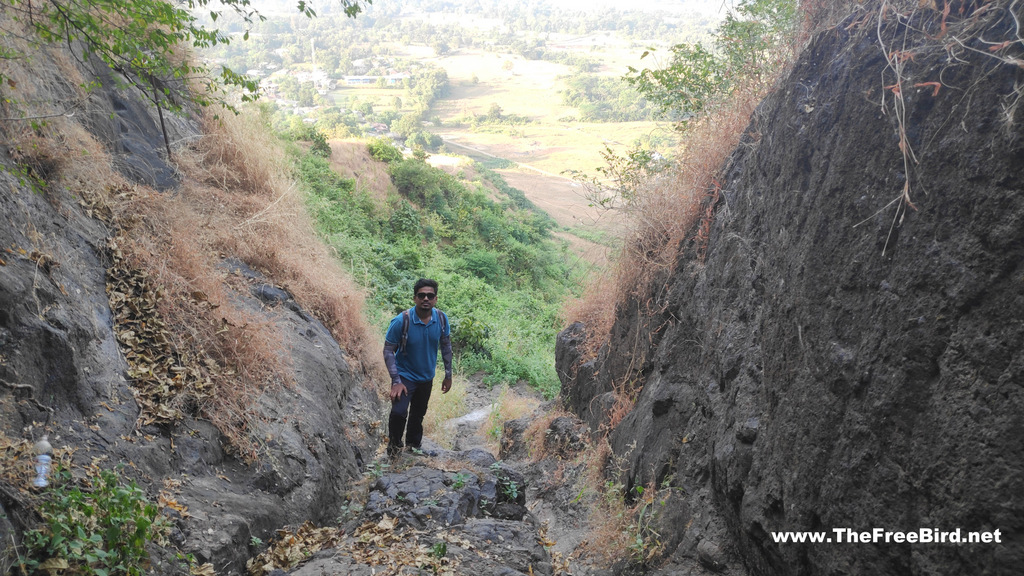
(607, 534)
(535, 434)
(268, 228)
(235, 201)
(445, 407)
(351, 159)
(672, 214)
(509, 405)
(670, 222)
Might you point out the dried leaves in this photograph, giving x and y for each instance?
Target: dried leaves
(289, 549)
(187, 351)
(385, 544)
(161, 377)
(16, 458)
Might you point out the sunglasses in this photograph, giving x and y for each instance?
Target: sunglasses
(426, 295)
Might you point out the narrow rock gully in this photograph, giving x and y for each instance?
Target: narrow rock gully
(464, 510)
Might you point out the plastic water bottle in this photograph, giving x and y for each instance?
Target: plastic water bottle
(43, 460)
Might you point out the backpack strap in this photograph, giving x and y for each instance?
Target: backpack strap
(405, 327)
(405, 331)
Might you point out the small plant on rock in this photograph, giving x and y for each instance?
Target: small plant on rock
(510, 489)
(460, 479)
(377, 469)
(100, 528)
(644, 540)
(435, 562)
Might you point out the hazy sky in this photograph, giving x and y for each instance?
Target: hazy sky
(703, 6)
(710, 7)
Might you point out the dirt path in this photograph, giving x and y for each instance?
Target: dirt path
(461, 510)
(551, 488)
(465, 429)
(458, 511)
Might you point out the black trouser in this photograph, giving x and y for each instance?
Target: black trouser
(412, 406)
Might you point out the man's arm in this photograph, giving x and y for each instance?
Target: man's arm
(446, 356)
(397, 388)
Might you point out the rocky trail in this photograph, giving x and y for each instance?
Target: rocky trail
(464, 510)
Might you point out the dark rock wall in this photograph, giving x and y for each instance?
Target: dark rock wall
(57, 350)
(834, 365)
(55, 321)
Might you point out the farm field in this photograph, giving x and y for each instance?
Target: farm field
(379, 96)
(553, 148)
(532, 89)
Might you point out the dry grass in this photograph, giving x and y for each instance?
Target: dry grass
(444, 408)
(607, 536)
(670, 221)
(240, 166)
(351, 159)
(239, 351)
(671, 216)
(509, 405)
(536, 435)
(621, 524)
(821, 14)
(237, 201)
(596, 314)
(662, 224)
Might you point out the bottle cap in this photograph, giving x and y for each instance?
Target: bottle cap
(43, 446)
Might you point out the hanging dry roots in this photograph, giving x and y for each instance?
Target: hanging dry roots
(700, 241)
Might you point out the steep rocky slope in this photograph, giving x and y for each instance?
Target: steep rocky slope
(843, 359)
(62, 370)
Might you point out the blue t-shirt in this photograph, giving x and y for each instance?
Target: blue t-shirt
(418, 361)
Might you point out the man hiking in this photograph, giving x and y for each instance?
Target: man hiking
(410, 353)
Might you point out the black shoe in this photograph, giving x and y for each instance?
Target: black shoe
(394, 449)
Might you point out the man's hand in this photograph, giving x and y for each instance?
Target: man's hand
(446, 385)
(397, 390)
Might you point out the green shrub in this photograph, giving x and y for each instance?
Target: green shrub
(382, 149)
(320, 146)
(100, 529)
(470, 334)
(415, 179)
(483, 264)
(404, 219)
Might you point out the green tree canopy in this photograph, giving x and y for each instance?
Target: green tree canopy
(744, 48)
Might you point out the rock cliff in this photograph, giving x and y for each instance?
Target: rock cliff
(847, 356)
(61, 367)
